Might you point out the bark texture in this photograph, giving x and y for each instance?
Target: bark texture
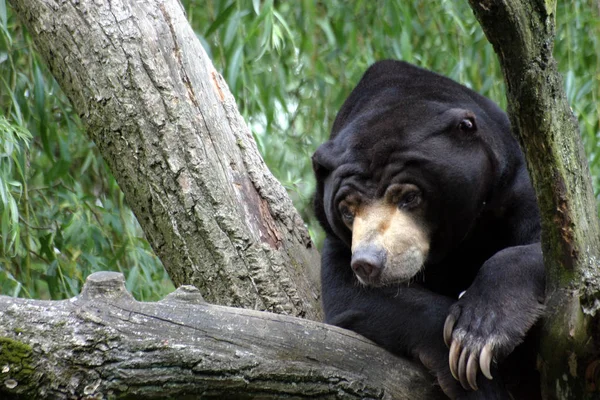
(522, 33)
(104, 344)
(168, 127)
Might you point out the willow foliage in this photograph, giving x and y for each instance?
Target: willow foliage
(289, 64)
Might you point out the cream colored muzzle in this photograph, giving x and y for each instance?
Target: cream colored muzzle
(388, 244)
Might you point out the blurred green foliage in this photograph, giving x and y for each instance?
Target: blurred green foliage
(62, 213)
(290, 65)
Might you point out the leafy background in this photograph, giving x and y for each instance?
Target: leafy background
(290, 65)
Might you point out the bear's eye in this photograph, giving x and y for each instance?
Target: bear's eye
(347, 214)
(467, 125)
(410, 199)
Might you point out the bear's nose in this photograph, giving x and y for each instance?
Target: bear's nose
(367, 263)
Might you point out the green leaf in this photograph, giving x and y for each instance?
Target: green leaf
(326, 27)
(59, 170)
(234, 67)
(406, 46)
(256, 6)
(3, 17)
(221, 19)
(39, 90)
(47, 246)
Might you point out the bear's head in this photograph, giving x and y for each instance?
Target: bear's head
(412, 162)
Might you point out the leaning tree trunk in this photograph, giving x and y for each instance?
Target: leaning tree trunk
(104, 344)
(168, 128)
(522, 33)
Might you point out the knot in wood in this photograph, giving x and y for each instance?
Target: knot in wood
(186, 294)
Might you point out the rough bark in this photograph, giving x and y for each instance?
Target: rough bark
(104, 344)
(522, 33)
(168, 128)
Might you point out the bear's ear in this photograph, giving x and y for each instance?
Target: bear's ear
(323, 159)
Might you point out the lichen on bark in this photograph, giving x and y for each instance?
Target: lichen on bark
(15, 362)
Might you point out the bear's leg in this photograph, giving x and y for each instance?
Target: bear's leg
(496, 312)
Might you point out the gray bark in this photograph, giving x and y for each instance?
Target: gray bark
(522, 33)
(168, 127)
(104, 344)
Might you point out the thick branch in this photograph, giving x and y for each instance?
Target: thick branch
(104, 342)
(522, 33)
(168, 127)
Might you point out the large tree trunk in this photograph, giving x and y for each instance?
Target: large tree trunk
(168, 128)
(522, 33)
(104, 344)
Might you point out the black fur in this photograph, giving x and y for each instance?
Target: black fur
(402, 124)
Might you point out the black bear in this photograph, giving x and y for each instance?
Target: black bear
(424, 195)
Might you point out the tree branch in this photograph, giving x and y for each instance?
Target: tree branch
(105, 343)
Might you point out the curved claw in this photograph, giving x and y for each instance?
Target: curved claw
(462, 369)
(472, 371)
(448, 328)
(453, 358)
(485, 360)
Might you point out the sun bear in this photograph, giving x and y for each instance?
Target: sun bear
(432, 245)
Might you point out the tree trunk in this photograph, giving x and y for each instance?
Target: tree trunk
(168, 128)
(522, 33)
(104, 344)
